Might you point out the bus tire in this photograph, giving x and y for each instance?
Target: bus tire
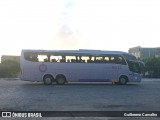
(47, 79)
(123, 80)
(60, 79)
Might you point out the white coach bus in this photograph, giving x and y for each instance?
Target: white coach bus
(63, 66)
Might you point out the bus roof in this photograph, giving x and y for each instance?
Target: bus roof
(80, 51)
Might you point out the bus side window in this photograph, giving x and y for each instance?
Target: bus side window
(112, 60)
(46, 60)
(73, 60)
(89, 61)
(30, 57)
(83, 61)
(122, 61)
(117, 60)
(35, 59)
(27, 57)
(53, 60)
(62, 60)
(96, 61)
(68, 60)
(41, 58)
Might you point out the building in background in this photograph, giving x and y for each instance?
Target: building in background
(10, 57)
(142, 52)
(157, 52)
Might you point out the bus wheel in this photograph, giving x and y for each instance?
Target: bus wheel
(48, 80)
(123, 80)
(60, 80)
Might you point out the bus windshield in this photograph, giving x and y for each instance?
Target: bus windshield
(142, 67)
(134, 66)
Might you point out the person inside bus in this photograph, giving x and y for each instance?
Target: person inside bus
(117, 60)
(63, 59)
(54, 60)
(34, 58)
(69, 60)
(96, 60)
(46, 60)
(80, 60)
(76, 59)
(89, 60)
(73, 60)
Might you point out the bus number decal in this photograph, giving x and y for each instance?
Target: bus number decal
(116, 67)
(43, 67)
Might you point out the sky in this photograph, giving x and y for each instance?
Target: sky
(78, 24)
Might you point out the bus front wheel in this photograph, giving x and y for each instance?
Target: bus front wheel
(123, 80)
(48, 80)
(60, 80)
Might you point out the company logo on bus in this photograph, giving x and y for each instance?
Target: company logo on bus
(43, 67)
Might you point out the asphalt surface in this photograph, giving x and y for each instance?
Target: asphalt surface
(17, 95)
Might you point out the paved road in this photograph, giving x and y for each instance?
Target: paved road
(26, 96)
(22, 95)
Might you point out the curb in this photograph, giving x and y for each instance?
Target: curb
(9, 78)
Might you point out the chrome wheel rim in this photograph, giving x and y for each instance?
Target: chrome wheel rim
(48, 80)
(61, 81)
(122, 80)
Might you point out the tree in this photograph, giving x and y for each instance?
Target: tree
(152, 62)
(9, 68)
(152, 67)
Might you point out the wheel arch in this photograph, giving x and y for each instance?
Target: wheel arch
(124, 76)
(61, 75)
(48, 74)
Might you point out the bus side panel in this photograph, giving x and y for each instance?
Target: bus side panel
(112, 72)
(124, 71)
(31, 71)
(81, 71)
(93, 72)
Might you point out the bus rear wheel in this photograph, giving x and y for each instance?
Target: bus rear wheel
(123, 80)
(48, 80)
(60, 80)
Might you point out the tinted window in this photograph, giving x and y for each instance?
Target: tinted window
(44, 57)
(117, 59)
(129, 57)
(31, 56)
(134, 67)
